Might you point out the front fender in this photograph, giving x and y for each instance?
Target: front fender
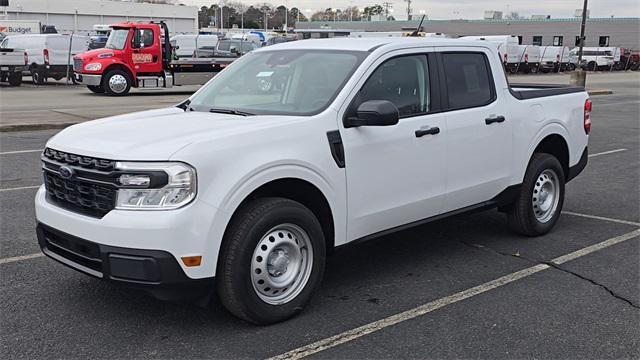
(261, 176)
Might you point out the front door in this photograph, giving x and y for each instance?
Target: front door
(145, 51)
(396, 174)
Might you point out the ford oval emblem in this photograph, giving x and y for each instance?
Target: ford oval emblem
(65, 172)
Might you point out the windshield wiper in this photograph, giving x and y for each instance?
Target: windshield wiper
(230, 111)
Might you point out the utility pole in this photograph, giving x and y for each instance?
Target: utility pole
(386, 5)
(409, 9)
(582, 28)
(579, 77)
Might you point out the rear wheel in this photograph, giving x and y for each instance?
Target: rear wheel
(39, 77)
(541, 197)
(15, 79)
(593, 66)
(117, 83)
(272, 260)
(96, 89)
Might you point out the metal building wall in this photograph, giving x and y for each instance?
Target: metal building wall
(81, 15)
(624, 32)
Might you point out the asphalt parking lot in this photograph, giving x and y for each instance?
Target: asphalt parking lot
(464, 287)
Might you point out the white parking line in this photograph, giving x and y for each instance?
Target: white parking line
(20, 258)
(20, 188)
(607, 152)
(20, 152)
(602, 218)
(369, 328)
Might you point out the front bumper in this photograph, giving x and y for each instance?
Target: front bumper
(181, 232)
(88, 79)
(154, 271)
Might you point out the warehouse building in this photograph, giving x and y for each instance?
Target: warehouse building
(623, 32)
(80, 15)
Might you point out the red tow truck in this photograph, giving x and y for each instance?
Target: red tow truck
(140, 55)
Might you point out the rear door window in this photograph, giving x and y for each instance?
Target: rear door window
(468, 79)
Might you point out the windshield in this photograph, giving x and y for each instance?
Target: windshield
(118, 39)
(285, 82)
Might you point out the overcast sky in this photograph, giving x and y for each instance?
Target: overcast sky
(471, 9)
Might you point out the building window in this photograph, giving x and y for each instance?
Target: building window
(604, 41)
(558, 40)
(578, 40)
(537, 40)
(519, 39)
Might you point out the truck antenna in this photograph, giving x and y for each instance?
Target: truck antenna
(416, 31)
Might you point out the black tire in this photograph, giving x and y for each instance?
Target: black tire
(96, 89)
(15, 79)
(593, 66)
(234, 274)
(116, 73)
(521, 215)
(39, 77)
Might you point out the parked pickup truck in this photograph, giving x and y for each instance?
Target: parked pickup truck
(296, 149)
(12, 63)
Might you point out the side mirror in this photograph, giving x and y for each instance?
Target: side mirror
(234, 50)
(374, 113)
(136, 39)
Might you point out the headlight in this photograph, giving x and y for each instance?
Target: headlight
(155, 185)
(93, 67)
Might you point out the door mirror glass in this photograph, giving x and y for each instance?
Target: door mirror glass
(374, 113)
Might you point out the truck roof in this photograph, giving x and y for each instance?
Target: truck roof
(372, 43)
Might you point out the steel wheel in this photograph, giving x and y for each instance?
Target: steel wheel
(118, 83)
(281, 264)
(545, 196)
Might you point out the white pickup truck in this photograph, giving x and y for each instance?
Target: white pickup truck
(299, 148)
(12, 63)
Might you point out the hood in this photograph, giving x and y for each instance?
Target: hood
(97, 53)
(154, 135)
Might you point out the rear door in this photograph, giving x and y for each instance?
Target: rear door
(479, 130)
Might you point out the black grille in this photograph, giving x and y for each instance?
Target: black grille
(79, 160)
(77, 65)
(84, 197)
(77, 250)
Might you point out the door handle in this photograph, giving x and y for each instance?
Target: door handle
(428, 131)
(491, 120)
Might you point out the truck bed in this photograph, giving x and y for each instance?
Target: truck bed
(532, 91)
(11, 57)
(201, 64)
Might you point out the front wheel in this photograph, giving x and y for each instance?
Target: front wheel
(117, 83)
(272, 260)
(538, 206)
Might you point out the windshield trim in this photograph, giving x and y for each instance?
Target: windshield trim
(360, 57)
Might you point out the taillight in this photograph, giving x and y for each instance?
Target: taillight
(587, 116)
(526, 57)
(505, 58)
(45, 54)
(26, 58)
(557, 57)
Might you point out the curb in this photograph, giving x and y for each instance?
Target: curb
(34, 127)
(600, 92)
